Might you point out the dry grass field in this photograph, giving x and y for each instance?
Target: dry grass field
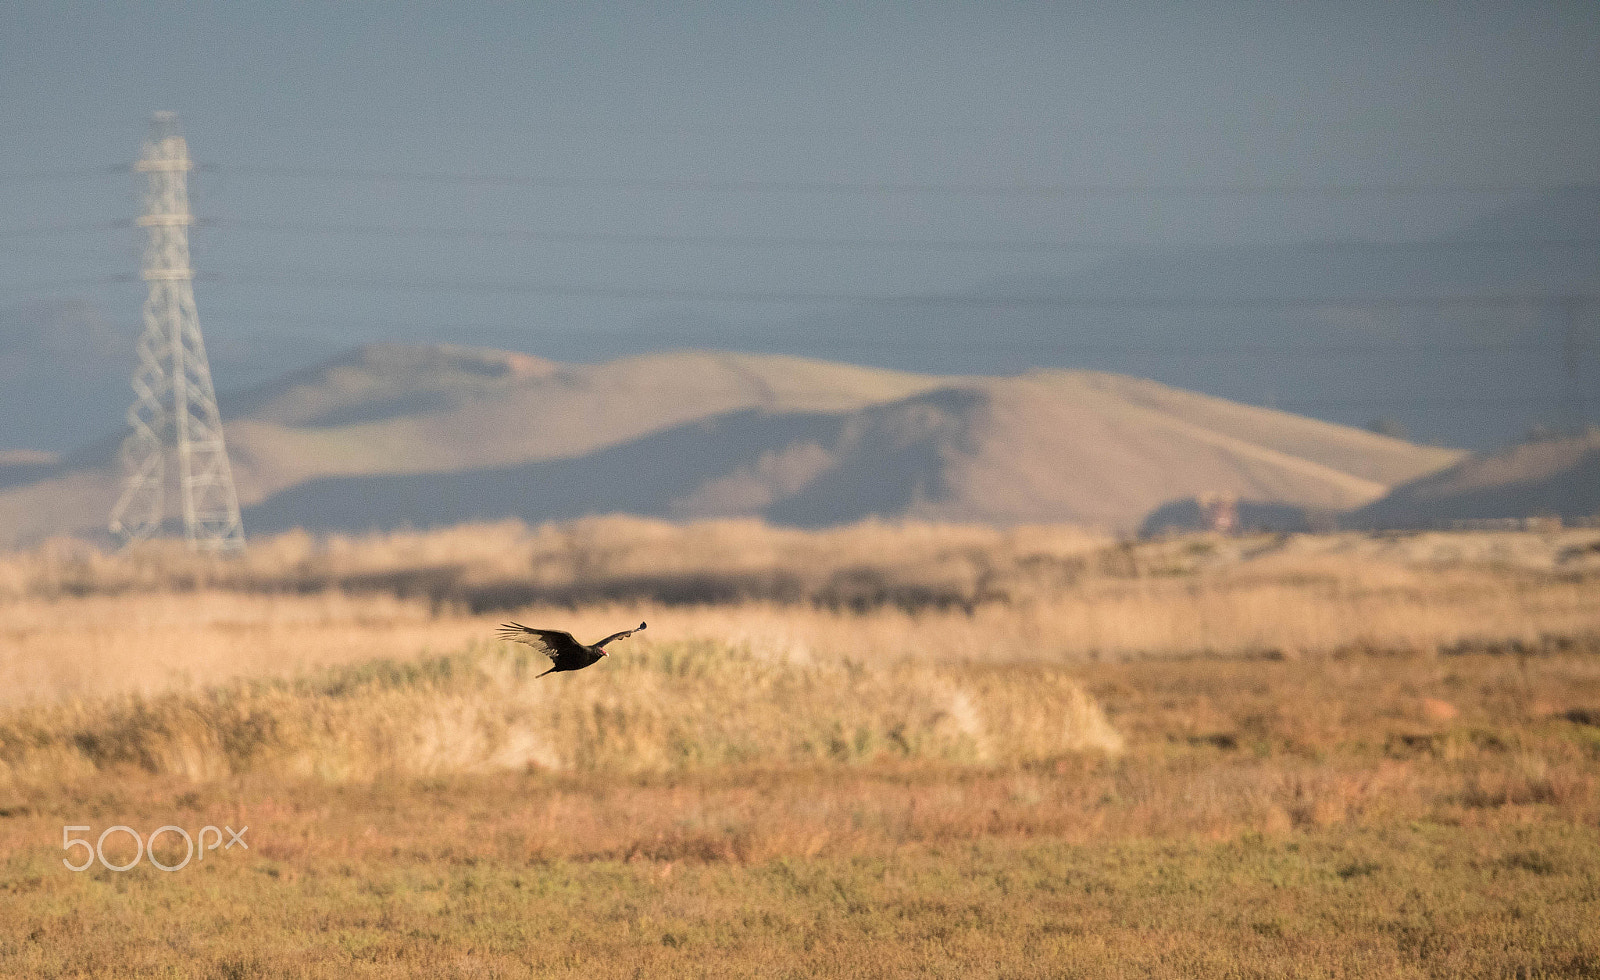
(878, 751)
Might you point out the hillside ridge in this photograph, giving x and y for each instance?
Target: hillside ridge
(396, 434)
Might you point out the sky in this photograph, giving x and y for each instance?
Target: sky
(589, 180)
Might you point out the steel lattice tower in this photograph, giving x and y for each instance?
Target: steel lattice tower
(175, 405)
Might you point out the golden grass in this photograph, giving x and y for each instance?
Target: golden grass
(77, 622)
(657, 708)
(509, 563)
(919, 751)
(1284, 818)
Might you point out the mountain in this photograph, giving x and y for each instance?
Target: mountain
(1545, 477)
(1349, 331)
(1230, 320)
(392, 435)
(1233, 321)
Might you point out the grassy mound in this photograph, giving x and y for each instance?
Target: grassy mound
(655, 708)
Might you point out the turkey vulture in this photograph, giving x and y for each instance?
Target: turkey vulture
(564, 651)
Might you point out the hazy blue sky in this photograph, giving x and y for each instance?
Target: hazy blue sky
(1138, 95)
(1045, 92)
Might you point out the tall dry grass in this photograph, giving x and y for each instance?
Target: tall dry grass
(508, 564)
(952, 644)
(911, 565)
(78, 622)
(655, 708)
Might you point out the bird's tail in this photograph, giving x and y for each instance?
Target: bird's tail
(550, 671)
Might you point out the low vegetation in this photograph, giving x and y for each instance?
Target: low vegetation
(1333, 756)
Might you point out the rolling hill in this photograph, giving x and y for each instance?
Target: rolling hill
(1558, 477)
(393, 435)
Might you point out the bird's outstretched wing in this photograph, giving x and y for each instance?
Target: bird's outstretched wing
(620, 636)
(554, 643)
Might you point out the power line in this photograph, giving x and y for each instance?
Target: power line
(950, 188)
(707, 241)
(62, 228)
(808, 242)
(1289, 348)
(977, 300)
(1083, 301)
(1254, 352)
(956, 187)
(87, 282)
(805, 241)
(828, 242)
(37, 176)
(1214, 189)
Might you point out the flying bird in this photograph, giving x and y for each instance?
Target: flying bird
(563, 649)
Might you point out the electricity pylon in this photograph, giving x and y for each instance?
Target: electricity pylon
(174, 403)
